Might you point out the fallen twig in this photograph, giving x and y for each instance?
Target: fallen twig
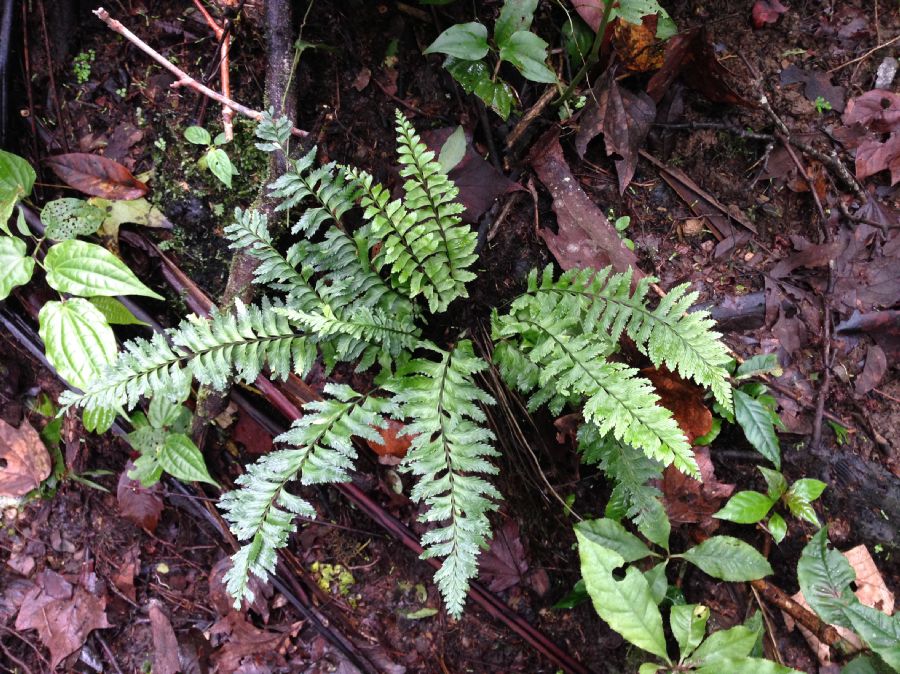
(224, 39)
(183, 78)
(866, 55)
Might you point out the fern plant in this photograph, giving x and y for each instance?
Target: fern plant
(362, 297)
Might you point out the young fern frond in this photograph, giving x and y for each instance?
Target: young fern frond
(568, 359)
(237, 343)
(684, 342)
(449, 454)
(261, 511)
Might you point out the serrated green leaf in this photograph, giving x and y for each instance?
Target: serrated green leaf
(654, 523)
(16, 266)
(880, 631)
(146, 470)
(528, 53)
(453, 150)
(777, 527)
(197, 135)
(69, 218)
(825, 575)
(462, 40)
(116, 313)
(16, 180)
(756, 421)
(163, 413)
(77, 340)
(515, 15)
(688, 623)
(746, 507)
(776, 485)
(728, 558)
(82, 268)
(610, 534)
(181, 459)
(746, 666)
(98, 419)
(220, 165)
(627, 606)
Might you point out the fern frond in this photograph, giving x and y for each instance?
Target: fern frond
(572, 362)
(235, 343)
(449, 454)
(684, 342)
(274, 133)
(261, 511)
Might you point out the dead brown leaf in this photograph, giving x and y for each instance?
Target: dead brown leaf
(878, 110)
(637, 45)
(874, 156)
(585, 238)
(97, 176)
(394, 446)
(141, 505)
(689, 501)
(504, 563)
(623, 117)
(62, 615)
(245, 644)
(24, 461)
(224, 602)
(882, 326)
(165, 643)
(766, 12)
(684, 399)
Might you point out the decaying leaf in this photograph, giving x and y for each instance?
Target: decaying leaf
(62, 615)
(874, 369)
(394, 446)
(585, 238)
(877, 110)
(637, 46)
(766, 12)
(245, 643)
(24, 461)
(224, 602)
(623, 117)
(684, 399)
(141, 505)
(882, 326)
(504, 564)
(165, 643)
(689, 501)
(816, 84)
(97, 176)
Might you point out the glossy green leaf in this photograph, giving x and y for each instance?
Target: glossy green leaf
(181, 459)
(16, 266)
(69, 218)
(82, 268)
(825, 575)
(776, 485)
(528, 53)
(777, 527)
(728, 558)
(475, 78)
(163, 413)
(879, 630)
(807, 489)
(220, 165)
(746, 507)
(116, 313)
(462, 40)
(801, 508)
(515, 15)
(16, 180)
(756, 421)
(714, 431)
(610, 534)
(626, 605)
(453, 150)
(197, 135)
(688, 623)
(77, 340)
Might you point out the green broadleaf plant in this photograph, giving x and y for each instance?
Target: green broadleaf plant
(361, 297)
(215, 159)
(466, 45)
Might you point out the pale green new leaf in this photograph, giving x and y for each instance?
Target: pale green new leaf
(627, 605)
(688, 623)
(777, 527)
(746, 507)
(16, 266)
(515, 15)
(728, 558)
(725, 645)
(220, 165)
(462, 40)
(197, 135)
(81, 268)
(453, 149)
(116, 313)
(77, 340)
(610, 534)
(528, 53)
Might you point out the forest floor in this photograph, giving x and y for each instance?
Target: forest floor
(717, 200)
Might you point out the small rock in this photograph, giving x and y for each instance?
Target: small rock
(886, 72)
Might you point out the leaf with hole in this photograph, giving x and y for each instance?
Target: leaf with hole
(688, 623)
(728, 558)
(16, 266)
(69, 218)
(81, 268)
(77, 339)
(610, 534)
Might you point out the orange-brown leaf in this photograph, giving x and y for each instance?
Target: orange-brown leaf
(97, 176)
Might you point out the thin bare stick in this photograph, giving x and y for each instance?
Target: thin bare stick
(183, 78)
(224, 40)
(866, 55)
